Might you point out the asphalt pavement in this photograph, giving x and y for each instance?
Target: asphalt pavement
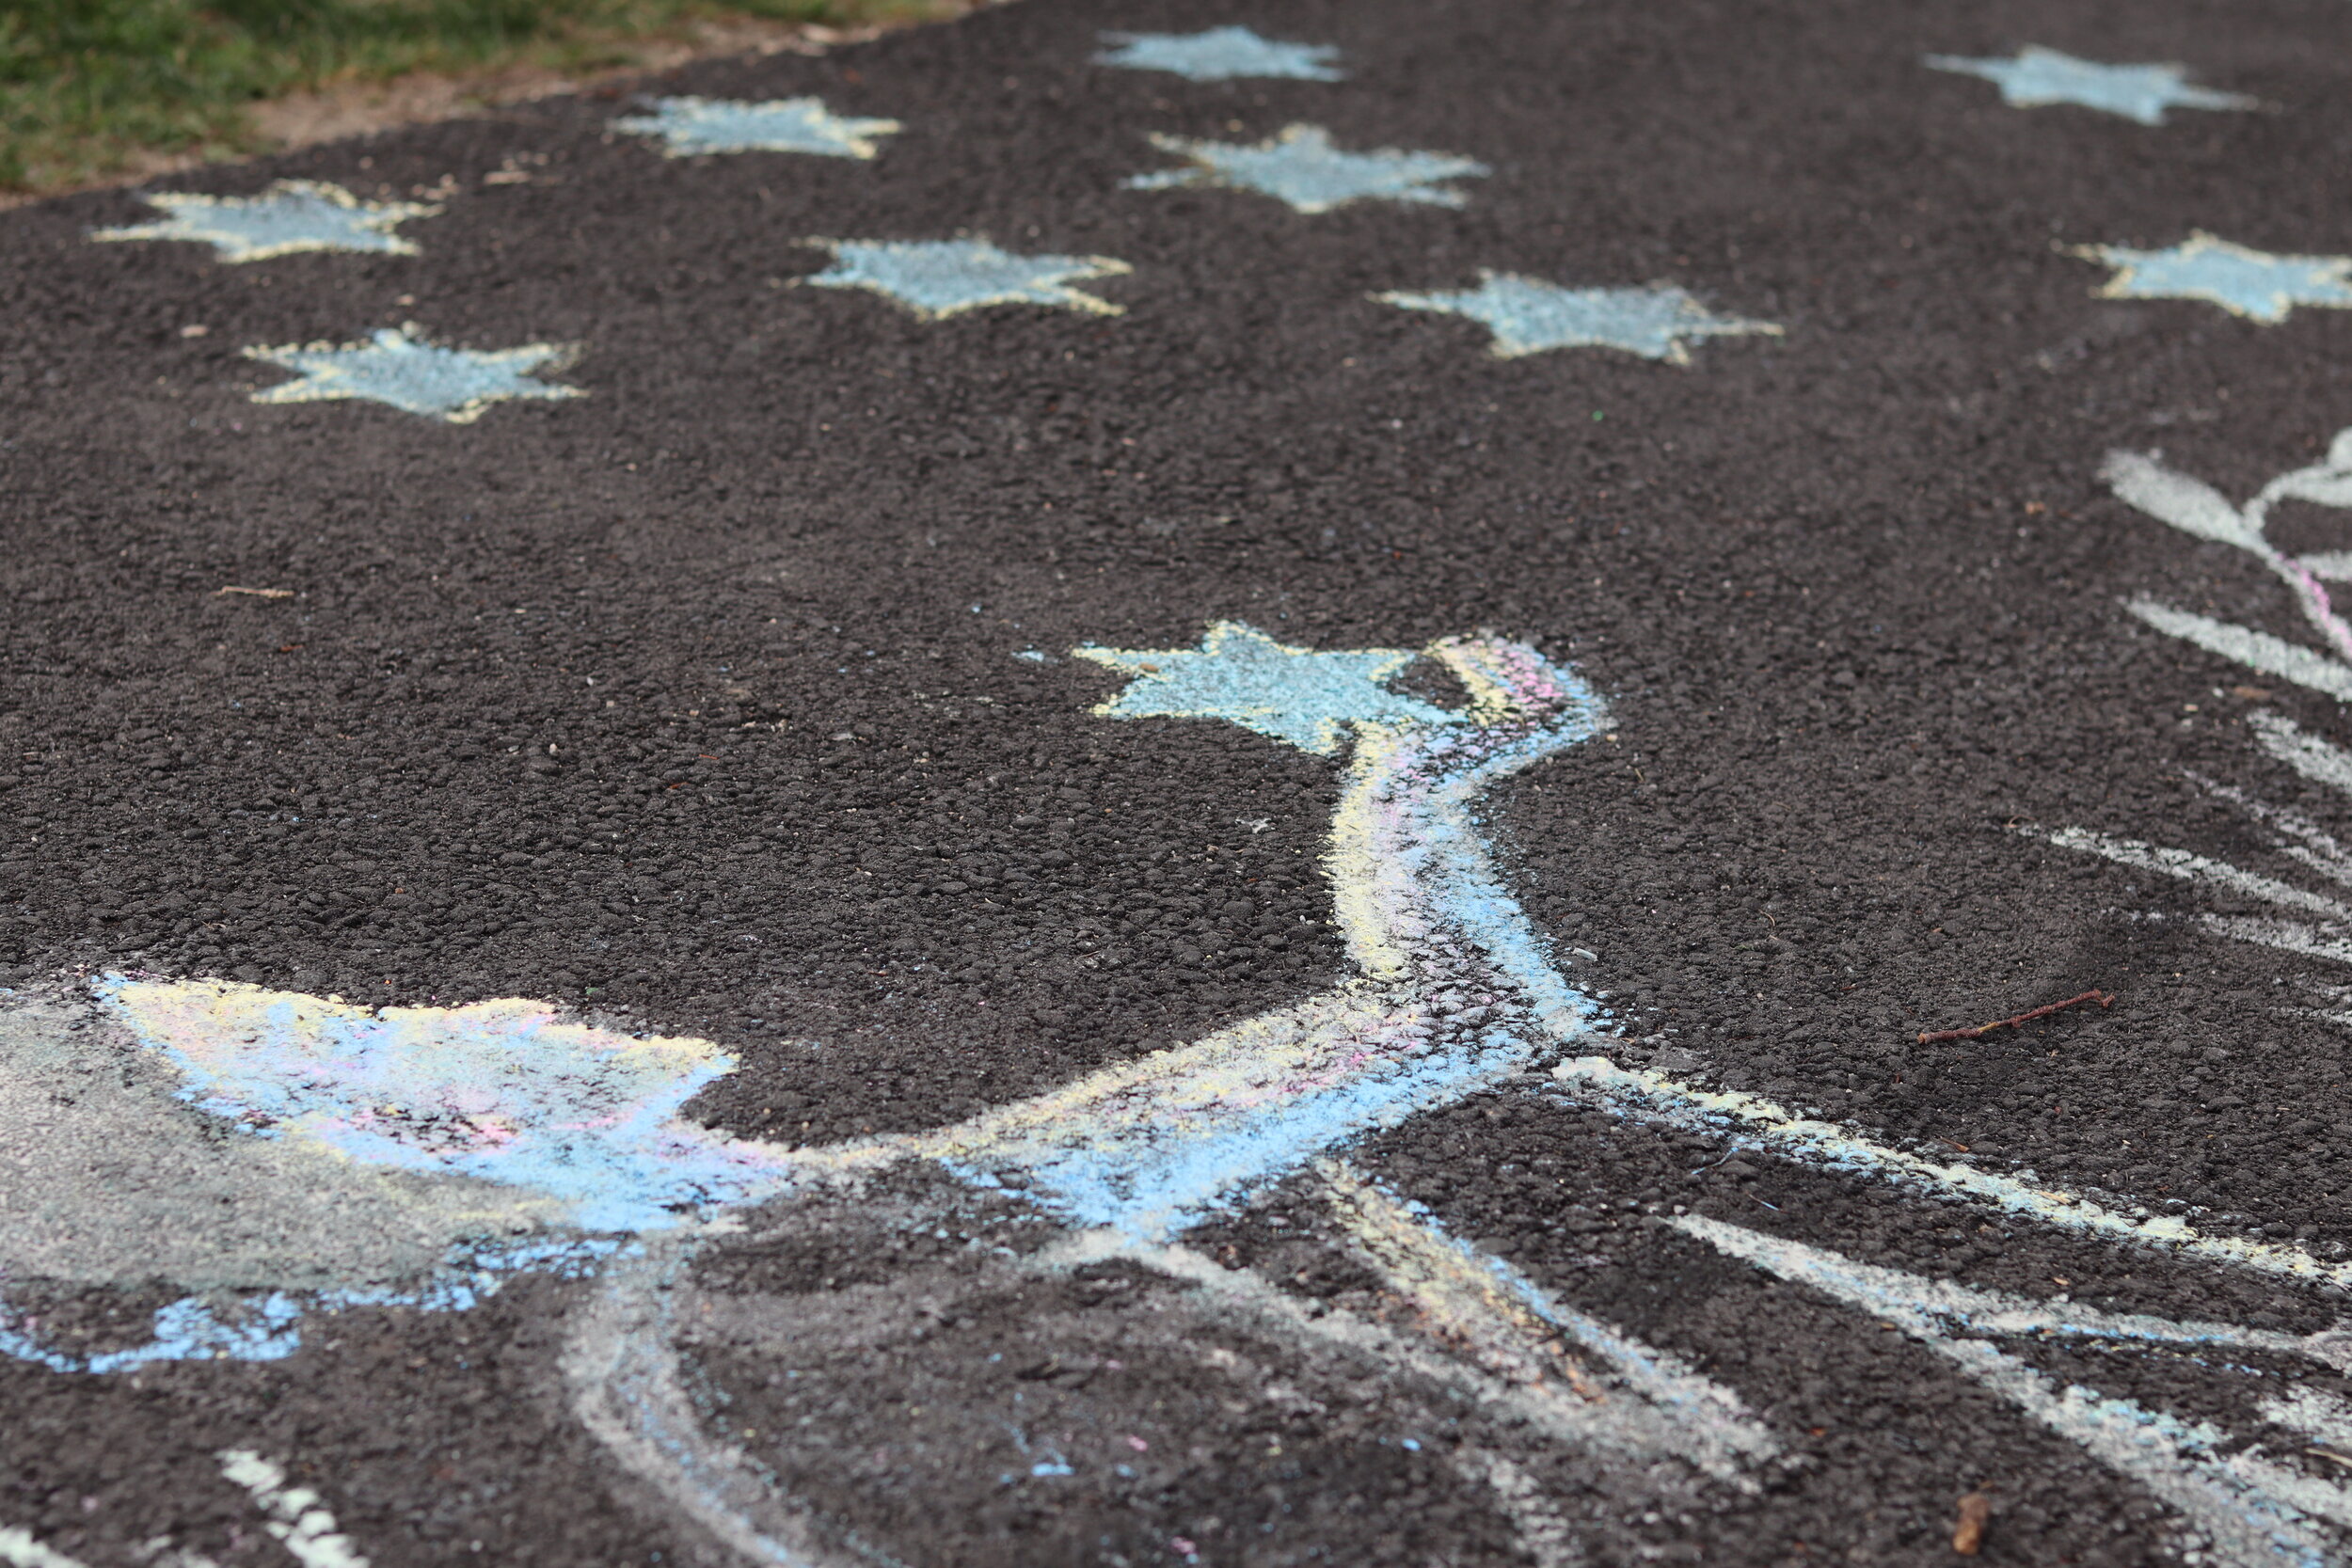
(1139, 783)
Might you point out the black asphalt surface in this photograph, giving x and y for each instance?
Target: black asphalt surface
(692, 704)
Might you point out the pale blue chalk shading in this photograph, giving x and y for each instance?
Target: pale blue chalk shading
(691, 126)
(1220, 55)
(2246, 282)
(941, 277)
(267, 1327)
(1463, 878)
(1530, 316)
(1301, 168)
(1034, 655)
(530, 1108)
(2039, 76)
(399, 369)
(292, 215)
(1241, 674)
(1149, 1188)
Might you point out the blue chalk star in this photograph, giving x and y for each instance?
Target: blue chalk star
(2142, 92)
(2250, 283)
(1529, 316)
(292, 215)
(398, 368)
(1301, 167)
(697, 125)
(940, 278)
(1219, 55)
(1242, 675)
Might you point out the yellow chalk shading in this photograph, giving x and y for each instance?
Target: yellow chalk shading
(1460, 1303)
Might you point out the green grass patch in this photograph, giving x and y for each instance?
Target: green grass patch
(88, 86)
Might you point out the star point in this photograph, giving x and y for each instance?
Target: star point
(1301, 168)
(690, 127)
(2255, 284)
(1300, 696)
(2035, 77)
(398, 368)
(1220, 55)
(936, 278)
(1527, 315)
(291, 216)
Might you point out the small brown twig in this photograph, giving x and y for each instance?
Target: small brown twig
(1940, 1036)
(1976, 1511)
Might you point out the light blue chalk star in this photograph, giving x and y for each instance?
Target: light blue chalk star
(2250, 283)
(398, 368)
(2142, 92)
(691, 126)
(1529, 316)
(941, 277)
(1301, 167)
(1241, 674)
(292, 215)
(1219, 55)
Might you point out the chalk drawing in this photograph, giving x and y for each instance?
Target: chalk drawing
(2246, 282)
(2199, 511)
(295, 1516)
(692, 127)
(574, 1139)
(2313, 922)
(1527, 315)
(1220, 55)
(937, 279)
(1299, 167)
(291, 217)
(18, 1550)
(2035, 76)
(2239, 1504)
(398, 367)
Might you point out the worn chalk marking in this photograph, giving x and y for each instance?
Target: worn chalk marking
(1640, 1399)
(296, 1517)
(18, 1550)
(2251, 1512)
(1751, 1121)
(2035, 77)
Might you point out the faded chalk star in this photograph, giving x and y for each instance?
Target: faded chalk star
(2250, 283)
(292, 215)
(398, 368)
(941, 277)
(1219, 55)
(697, 125)
(1301, 167)
(1242, 675)
(1529, 316)
(2039, 76)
